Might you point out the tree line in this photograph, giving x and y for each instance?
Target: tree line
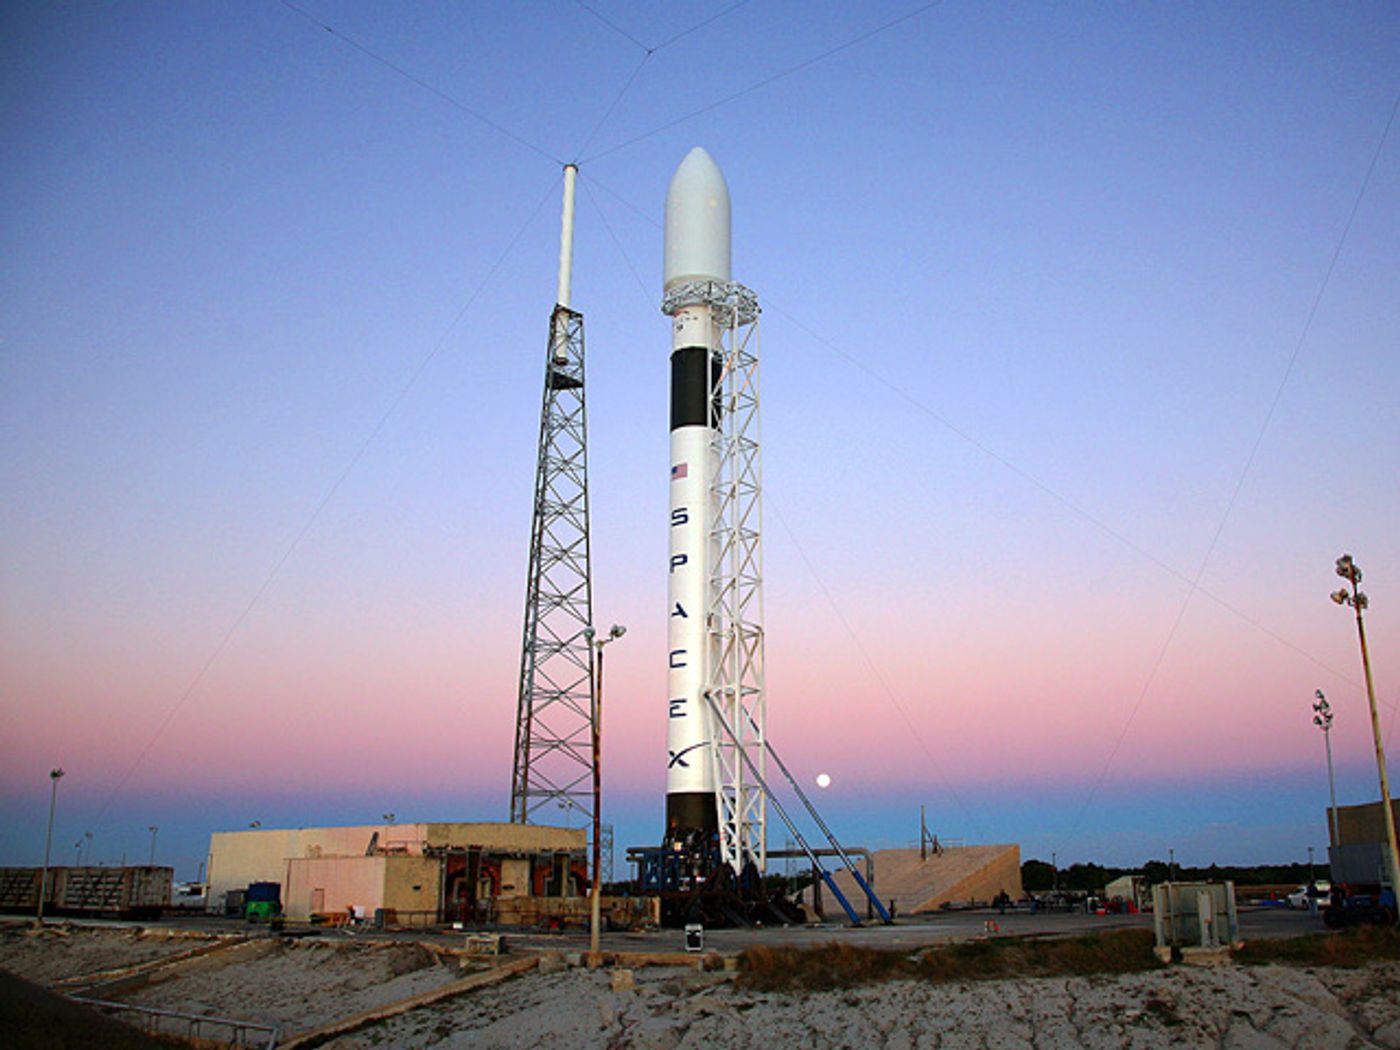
(1037, 876)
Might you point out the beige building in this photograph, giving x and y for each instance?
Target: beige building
(412, 872)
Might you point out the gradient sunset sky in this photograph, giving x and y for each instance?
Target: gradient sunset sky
(1081, 365)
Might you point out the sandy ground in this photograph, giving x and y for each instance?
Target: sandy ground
(60, 950)
(301, 984)
(1246, 1008)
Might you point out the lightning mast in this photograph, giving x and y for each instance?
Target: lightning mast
(553, 727)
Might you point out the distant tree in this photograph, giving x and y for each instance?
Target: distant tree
(1037, 876)
(1087, 878)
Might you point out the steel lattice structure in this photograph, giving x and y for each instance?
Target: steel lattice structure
(735, 615)
(553, 745)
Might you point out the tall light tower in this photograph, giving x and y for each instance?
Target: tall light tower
(1351, 572)
(1322, 718)
(555, 703)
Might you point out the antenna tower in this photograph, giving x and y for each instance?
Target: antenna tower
(553, 727)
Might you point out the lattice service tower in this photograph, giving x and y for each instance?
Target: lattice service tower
(553, 728)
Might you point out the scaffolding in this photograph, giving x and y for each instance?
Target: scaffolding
(735, 614)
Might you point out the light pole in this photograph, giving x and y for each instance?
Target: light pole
(1171, 859)
(55, 775)
(1312, 879)
(595, 918)
(1349, 571)
(1322, 718)
(1055, 871)
(152, 829)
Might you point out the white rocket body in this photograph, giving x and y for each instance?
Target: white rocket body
(697, 248)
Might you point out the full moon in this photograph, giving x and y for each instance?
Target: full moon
(823, 781)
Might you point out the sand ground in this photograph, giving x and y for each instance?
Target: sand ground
(300, 984)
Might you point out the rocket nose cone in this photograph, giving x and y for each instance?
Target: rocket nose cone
(697, 221)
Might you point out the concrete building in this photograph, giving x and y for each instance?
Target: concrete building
(415, 873)
(917, 883)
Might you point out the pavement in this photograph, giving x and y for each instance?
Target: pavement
(906, 933)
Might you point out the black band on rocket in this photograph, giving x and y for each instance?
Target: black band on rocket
(691, 384)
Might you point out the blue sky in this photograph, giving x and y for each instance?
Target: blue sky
(1065, 307)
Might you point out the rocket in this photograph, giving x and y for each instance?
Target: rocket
(697, 256)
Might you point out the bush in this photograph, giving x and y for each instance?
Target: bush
(841, 966)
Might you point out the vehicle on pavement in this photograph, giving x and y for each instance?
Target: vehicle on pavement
(1303, 896)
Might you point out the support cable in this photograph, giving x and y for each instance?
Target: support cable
(825, 829)
(401, 71)
(901, 392)
(670, 39)
(766, 81)
(782, 812)
(1245, 470)
(277, 565)
(609, 111)
(874, 669)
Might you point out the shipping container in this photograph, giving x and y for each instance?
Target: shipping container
(132, 892)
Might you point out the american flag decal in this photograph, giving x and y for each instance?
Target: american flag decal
(680, 470)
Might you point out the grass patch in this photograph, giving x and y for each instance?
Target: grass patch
(842, 966)
(1345, 948)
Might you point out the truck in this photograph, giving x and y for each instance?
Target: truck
(262, 901)
(1359, 904)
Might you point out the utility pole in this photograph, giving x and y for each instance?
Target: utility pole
(55, 775)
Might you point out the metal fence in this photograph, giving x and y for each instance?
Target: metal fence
(223, 1030)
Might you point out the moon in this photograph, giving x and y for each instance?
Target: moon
(823, 781)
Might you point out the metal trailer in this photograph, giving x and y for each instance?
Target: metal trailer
(129, 892)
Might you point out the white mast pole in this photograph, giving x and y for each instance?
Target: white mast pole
(566, 236)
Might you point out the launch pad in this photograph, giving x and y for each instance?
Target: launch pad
(711, 864)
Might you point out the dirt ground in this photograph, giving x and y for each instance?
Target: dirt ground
(61, 950)
(300, 984)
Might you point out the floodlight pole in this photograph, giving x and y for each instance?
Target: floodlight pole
(1322, 718)
(1351, 572)
(595, 904)
(55, 775)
